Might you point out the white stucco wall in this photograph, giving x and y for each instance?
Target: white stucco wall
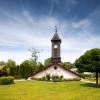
(59, 71)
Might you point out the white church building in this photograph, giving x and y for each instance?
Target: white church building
(56, 69)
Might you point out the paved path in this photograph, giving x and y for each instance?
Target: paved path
(82, 80)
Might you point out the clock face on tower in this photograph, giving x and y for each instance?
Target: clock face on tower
(55, 46)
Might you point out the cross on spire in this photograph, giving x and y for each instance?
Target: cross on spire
(56, 37)
(55, 29)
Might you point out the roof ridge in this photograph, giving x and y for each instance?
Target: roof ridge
(58, 65)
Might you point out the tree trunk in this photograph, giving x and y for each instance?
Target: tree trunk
(96, 78)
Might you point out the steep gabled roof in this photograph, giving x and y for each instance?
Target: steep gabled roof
(59, 66)
(55, 37)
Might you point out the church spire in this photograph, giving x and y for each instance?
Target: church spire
(55, 29)
(56, 37)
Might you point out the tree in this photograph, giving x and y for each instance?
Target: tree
(34, 55)
(47, 62)
(17, 72)
(68, 65)
(26, 69)
(89, 62)
(2, 63)
(3, 72)
(11, 65)
(40, 66)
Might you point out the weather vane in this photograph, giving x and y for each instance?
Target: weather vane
(55, 29)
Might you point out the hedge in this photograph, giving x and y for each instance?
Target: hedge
(5, 80)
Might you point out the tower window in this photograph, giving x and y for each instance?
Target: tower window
(55, 67)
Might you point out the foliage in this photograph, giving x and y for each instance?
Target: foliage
(3, 72)
(47, 62)
(47, 77)
(39, 67)
(86, 75)
(11, 66)
(73, 79)
(1, 67)
(5, 80)
(68, 65)
(26, 69)
(12, 71)
(89, 62)
(34, 55)
(10, 63)
(56, 78)
(2, 63)
(17, 73)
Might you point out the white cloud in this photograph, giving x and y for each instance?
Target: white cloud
(27, 31)
(82, 24)
(19, 57)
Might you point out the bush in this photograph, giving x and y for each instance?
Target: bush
(6, 80)
(56, 78)
(73, 79)
(47, 77)
(87, 75)
(3, 72)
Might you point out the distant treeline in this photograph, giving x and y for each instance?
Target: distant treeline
(26, 68)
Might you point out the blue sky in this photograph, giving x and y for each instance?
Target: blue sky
(30, 23)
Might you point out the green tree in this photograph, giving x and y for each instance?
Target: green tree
(12, 71)
(47, 62)
(11, 66)
(68, 65)
(40, 66)
(10, 63)
(89, 62)
(2, 63)
(17, 72)
(26, 69)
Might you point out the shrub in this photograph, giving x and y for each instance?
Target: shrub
(61, 77)
(43, 78)
(87, 75)
(73, 79)
(6, 80)
(3, 72)
(47, 77)
(56, 78)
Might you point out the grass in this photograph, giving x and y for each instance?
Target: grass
(39, 90)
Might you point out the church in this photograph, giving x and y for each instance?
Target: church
(56, 69)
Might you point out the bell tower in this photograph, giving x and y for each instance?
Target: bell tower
(56, 41)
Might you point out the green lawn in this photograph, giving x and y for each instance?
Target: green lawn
(38, 90)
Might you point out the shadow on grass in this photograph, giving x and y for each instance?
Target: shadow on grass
(90, 85)
(8, 84)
